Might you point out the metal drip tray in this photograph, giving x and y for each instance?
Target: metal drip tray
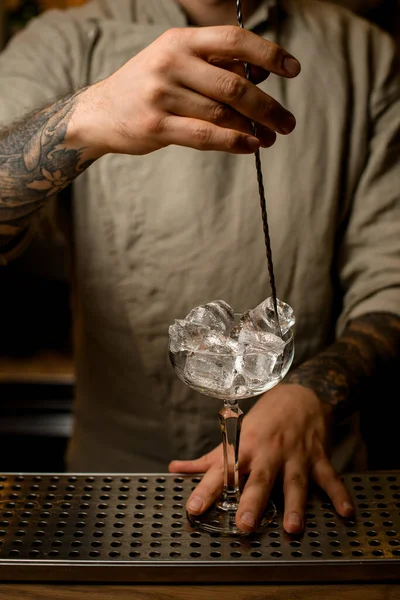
(133, 528)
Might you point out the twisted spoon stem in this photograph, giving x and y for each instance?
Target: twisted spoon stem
(260, 180)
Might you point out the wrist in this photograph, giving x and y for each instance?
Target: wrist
(327, 407)
(86, 129)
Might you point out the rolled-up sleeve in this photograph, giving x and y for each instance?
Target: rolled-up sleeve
(369, 254)
(44, 62)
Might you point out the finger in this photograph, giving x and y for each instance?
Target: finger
(207, 491)
(186, 103)
(295, 489)
(255, 496)
(235, 91)
(266, 136)
(326, 477)
(199, 465)
(201, 135)
(257, 74)
(234, 42)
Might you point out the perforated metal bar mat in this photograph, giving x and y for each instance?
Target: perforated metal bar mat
(133, 528)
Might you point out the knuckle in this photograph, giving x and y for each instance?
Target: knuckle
(335, 477)
(154, 124)
(220, 114)
(299, 479)
(232, 140)
(165, 58)
(163, 62)
(272, 54)
(319, 456)
(157, 93)
(201, 135)
(261, 477)
(171, 35)
(232, 87)
(277, 442)
(268, 112)
(234, 36)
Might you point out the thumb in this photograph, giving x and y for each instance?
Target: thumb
(199, 465)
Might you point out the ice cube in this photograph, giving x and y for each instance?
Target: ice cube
(217, 315)
(187, 336)
(212, 372)
(257, 338)
(239, 387)
(235, 331)
(262, 349)
(263, 316)
(256, 367)
(220, 344)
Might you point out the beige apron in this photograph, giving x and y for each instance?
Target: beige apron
(168, 231)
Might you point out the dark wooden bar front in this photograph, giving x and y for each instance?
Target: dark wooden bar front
(356, 591)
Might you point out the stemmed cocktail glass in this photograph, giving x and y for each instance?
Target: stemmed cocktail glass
(232, 373)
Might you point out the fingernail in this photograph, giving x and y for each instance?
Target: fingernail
(195, 504)
(248, 519)
(347, 505)
(294, 519)
(252, 143)
(291, 65)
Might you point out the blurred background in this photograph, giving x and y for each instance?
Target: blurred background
(36, 370)
(36, 366)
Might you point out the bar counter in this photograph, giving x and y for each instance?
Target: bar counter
(126, 535)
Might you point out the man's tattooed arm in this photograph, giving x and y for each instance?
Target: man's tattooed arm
(366, 353)
(38, 158)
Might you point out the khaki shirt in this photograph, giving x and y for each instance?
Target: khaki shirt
(156, 235)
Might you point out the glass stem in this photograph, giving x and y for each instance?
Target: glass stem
(230, 417)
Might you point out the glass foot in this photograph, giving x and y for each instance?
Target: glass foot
(217, 520)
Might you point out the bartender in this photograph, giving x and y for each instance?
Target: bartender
(143, 107)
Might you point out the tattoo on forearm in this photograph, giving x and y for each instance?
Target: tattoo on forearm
(36, 163)
(367, 352)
